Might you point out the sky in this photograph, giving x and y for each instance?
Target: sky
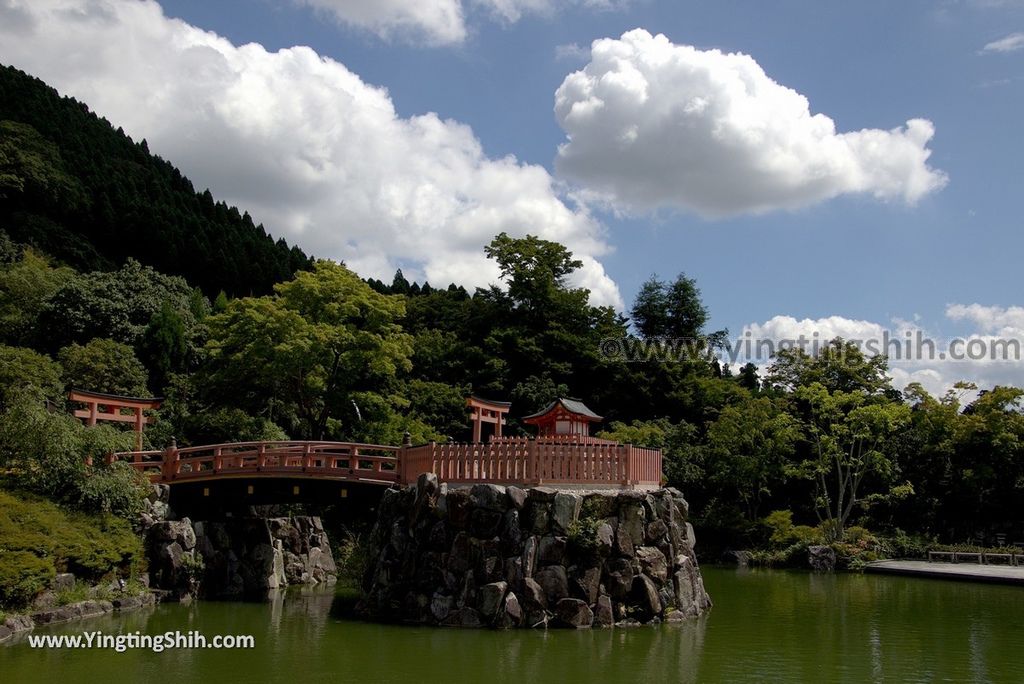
(820, 168)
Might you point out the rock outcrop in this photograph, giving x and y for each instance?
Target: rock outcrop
(507, 557)
(238, 556)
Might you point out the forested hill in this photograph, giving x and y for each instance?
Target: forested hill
(83, 191)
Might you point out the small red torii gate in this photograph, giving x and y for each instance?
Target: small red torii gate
(108, 407)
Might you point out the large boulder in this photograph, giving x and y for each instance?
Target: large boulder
(491, 596)
(645, 596)
(532, 594)
(573, 613)
(484, 523)
(605, 539)
(821, 558)
(516, 496)
(511, 613)
(553, 580)
(551, 550)
(618, 577)
(586, 583)
(603, 616)
(653, 563)
(565, 510)
(489, 496)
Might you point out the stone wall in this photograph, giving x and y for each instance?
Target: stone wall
(239, 556)
(507, 557)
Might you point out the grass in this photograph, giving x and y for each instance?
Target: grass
(78, 592)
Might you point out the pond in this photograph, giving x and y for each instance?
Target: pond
(765, 626)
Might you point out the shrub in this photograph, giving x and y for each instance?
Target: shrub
(23, 575)
(351, 558)
(46, 452)
(902, 545)
(582, 534)
(784, 533)
(25, 371)
(79, 591)
(117, 488)
(39, 539)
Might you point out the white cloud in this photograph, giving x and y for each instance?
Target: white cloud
(989, 318)
(438, 22)
(1011, 43)
(300, 142)
(651, 123)
(571, 52)
(915, 354)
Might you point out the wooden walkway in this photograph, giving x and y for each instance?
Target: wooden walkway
(964, 572)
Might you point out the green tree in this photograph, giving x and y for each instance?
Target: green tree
(852, 437)
(46, 452)
(119, 305)
(670, 310)
(839, 366)
(988, 463)
(650, 309)
(31, 165)
(165, 344)
(750, 447)
(536, 271)
(309, 350)
(23, 370)
(24, 287)
(104, 365)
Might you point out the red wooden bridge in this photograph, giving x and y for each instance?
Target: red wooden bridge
(576, 461)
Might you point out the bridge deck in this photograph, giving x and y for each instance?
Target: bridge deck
(593, 464)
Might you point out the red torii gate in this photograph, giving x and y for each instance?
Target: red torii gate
(486, 411)
(108, 407)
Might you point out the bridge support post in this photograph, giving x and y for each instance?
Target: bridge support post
(533, 464)
(626, 452)
(403, 465)
(170, 464)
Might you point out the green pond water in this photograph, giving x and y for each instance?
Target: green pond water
(766, 626)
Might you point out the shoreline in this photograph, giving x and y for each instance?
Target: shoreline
(20, 623)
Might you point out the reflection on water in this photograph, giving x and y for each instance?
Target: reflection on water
(766, 626)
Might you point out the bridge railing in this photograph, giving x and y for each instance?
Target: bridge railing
(526, 462)
(360, 462)
(536, 462)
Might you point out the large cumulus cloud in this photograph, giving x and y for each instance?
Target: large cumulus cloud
(300, 141)
(651, 123)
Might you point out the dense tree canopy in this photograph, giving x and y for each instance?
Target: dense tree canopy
(312, 354)
(78, 189)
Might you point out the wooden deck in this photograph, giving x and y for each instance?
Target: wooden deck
(964, 572)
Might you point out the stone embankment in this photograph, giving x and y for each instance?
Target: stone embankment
(506, 557)
(238, 557)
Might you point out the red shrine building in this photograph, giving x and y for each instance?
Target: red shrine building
(563, 417)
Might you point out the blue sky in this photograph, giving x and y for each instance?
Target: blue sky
(901, 240)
